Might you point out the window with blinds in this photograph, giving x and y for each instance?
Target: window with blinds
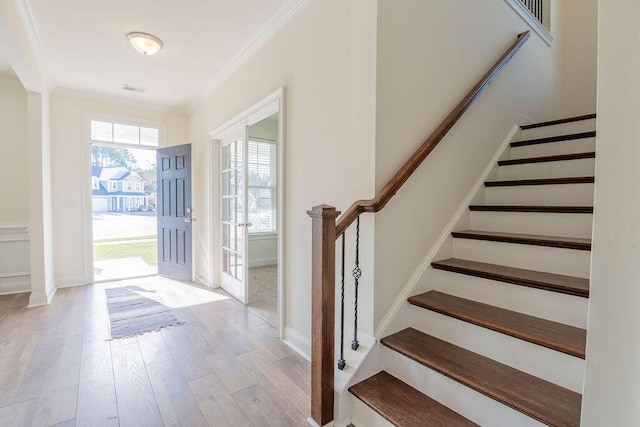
(261, 188)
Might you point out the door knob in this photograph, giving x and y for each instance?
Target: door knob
(188, 220)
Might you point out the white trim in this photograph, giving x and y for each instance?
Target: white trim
(297, 342)
(263, 236)
(273, 103)
(15, 283)
(36, 300)
(312, 423)
(132, 103)
(407, 290)
(35, 41)
(14, 232)
(71, 282)
(523, 119)
(275, 24)
(263, 262)
(253, 114)
(531, 20)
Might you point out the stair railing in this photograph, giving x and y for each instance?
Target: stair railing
(328, 225)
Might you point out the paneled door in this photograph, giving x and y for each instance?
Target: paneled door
(234, 223)
(174, 211)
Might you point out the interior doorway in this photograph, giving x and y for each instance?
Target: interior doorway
(123, 200)
(251, 209)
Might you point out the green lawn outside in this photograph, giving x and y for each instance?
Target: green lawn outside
(148, 251)
(117, 239)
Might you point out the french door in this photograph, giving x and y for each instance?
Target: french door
(234, 223)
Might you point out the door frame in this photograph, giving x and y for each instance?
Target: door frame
(271, 104)
(86, 201)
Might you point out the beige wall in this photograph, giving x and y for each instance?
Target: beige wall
(579, 38)
(612, 388)
(325, 57)
(425, 66)
(14, 185)
(71, 175)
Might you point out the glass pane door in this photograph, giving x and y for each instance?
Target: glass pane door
(233, 216)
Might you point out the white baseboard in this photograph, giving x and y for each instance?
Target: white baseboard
(425, 264)
(71, 282)
(39, 299)
(263, 262)
(297, 342)
(15, 283)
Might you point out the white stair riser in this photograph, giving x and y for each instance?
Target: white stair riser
(569, 262)
(562, 169)
(548, 224)
(363, 415)
(470, 404)
(545, 195)
(567, 309)
(551, 365)
(554, 148)
(563, 129)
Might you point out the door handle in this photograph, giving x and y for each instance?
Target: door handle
(189, 220)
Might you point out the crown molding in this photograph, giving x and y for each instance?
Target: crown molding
(78, 94)
(35, 41)
(275, 24)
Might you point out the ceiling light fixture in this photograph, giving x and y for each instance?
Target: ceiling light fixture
(144, 43)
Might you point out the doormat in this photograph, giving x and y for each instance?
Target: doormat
(132, 314)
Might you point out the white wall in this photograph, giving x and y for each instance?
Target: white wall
(425, 67)
(579, 38)
(14, 186)
(612, 388)
(71, 176)
(325, 57)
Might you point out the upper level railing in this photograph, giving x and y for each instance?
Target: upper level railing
(536, 7)
(328, 225)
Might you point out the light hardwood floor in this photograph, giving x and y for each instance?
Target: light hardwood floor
(224, 367)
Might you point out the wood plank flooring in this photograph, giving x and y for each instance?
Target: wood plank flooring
(224, 367)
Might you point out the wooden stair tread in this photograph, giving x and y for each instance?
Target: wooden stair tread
(538, 209)
(537, 398)
(534, 279)
(569, 137)
(559, 122)
(525, 239)
(541, 181)
(557, 336)
(404, 406)
(545, 159)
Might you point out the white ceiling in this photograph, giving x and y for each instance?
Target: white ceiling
(85, 47)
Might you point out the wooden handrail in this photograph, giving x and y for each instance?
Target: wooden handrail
(403, 174)
(327, 226)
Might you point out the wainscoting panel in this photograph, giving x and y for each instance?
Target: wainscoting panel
(15, 274)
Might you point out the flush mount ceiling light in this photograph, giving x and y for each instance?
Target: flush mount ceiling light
(144, 43)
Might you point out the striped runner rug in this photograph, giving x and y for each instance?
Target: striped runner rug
(132, 314)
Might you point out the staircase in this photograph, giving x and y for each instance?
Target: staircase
(500, 339)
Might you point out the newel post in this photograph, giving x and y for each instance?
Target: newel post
(323, 278)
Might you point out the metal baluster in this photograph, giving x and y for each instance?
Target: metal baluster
(341, 362)
(357, 273)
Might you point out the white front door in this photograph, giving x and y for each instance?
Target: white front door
(234, 223)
